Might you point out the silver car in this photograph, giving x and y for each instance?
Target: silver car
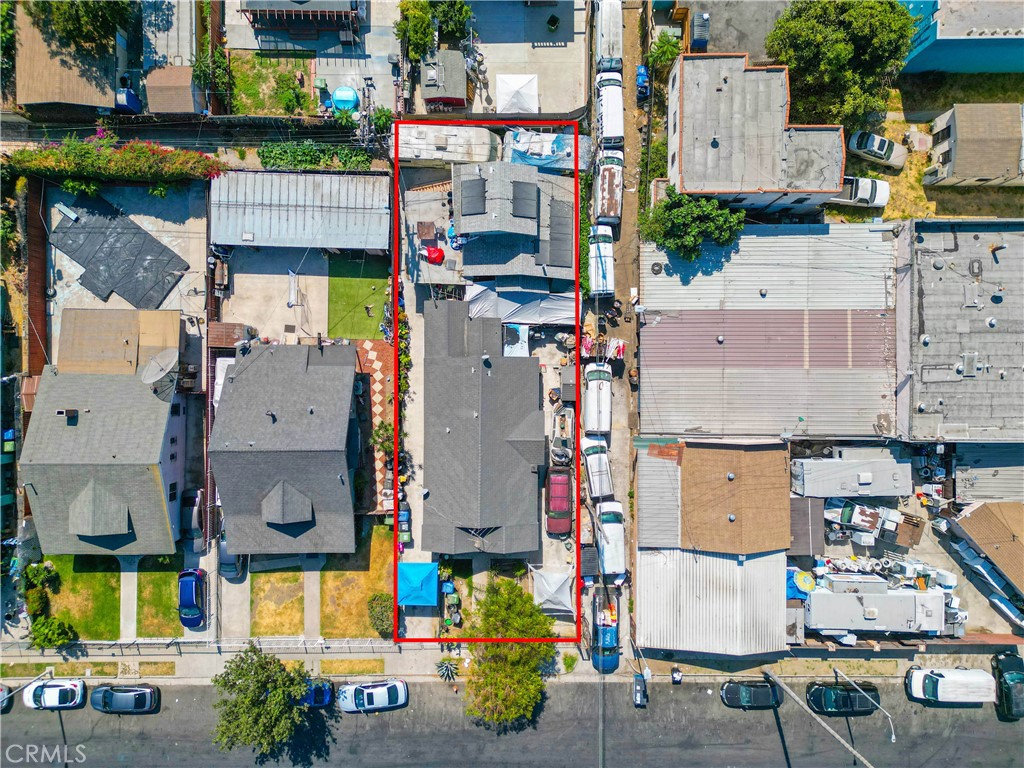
(231, 566)
(877, 149)
(373, 697)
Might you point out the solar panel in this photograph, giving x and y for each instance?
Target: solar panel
(560, 251)
(524, 200)
(474, 194)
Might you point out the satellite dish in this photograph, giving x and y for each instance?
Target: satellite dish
(159, 365)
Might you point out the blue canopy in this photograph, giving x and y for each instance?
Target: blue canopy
(417, 583)
(345, 98)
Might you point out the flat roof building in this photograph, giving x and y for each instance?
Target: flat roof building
(790, 330)
(729, 137)
(967, 331)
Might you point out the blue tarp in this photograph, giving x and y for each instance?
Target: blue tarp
(547, 152)
(417, 584)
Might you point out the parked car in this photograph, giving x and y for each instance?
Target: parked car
(607, 196)
(643, 84)
(878, 149)
(751, 694)
(595, 461)
(373, 697)
(862, 193)
(611, 541)
(191, 597)
(231, 566)
(6, 698)
(602, 262)
(597, 402)
(843, 699)
(125, 699)
(604, 641)
(54, 694)
(1008, 669)
(558, 501)
(950, 686)
(319, 693)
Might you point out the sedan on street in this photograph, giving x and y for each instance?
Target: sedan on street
(1008, 669)
(125, 699)
(54, 694)
(751, 694)
(191, 602)
(319, 693)
(373, 697)
(843, 699)
(878, 149)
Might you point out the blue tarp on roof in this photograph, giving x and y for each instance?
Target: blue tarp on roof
(417, 584)
(546, 151)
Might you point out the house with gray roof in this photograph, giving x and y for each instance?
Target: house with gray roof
(103, 463)
(516, 221)
(484, 441)
(729, 137)
(284, 449)
(977, 145)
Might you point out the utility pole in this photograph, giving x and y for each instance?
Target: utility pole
(892, 727)
(800, 700)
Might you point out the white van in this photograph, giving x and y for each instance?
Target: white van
(597, 466)
(950, 686)
(602, 262)
(609, 36)
(597, 405)
(611, 541)
(610, 110)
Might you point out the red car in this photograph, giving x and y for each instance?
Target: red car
(558, 514)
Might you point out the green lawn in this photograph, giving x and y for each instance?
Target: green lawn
(347, 581)
(89, 596)
(158, 596)
(354, 285)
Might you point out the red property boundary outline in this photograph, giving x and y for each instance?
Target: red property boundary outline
(396, 264)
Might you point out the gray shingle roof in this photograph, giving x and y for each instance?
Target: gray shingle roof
(301, 210)
(484, 438)
(283, 479)
(95, 485)
(450, 81)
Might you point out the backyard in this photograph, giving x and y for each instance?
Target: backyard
(913, 103)
(347, 581)
(265, 83)
(354, 285)
(89, 596)
(276, 603)
(158, 596)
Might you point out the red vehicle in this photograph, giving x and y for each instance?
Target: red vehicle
(558, 513)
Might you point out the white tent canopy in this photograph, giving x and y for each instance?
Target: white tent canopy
(517, 93)
(524, 307)
(552, 591)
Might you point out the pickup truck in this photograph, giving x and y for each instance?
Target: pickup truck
(604, 649)
(862, 193)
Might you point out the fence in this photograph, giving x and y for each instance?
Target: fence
(181, 646)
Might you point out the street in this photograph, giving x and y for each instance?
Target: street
(684, 725)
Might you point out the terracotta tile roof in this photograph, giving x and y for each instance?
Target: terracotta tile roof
(998, 530)
(757, 497)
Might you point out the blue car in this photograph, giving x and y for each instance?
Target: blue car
(191, 602)
(604, 650)
(319, 693)
(643, 83)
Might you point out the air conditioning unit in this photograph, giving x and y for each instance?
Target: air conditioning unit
(871, 613)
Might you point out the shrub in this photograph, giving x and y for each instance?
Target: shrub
(43, 576)
(415, 27)
(569, 662)
(383, 437)
(586, 180)
(312, 156)
(382, 119)
(664, 51)
(241, 152)
(681, 223)
(382, 613)
(452, 16)
(37, 602)
(80, 187)
(50, 632)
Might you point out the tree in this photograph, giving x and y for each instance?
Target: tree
(382, 613)
(89, 27)
(452, 16)
(664, 51)
(258, 702)
(839, 54)
(682, 222)
(383, 437)
(8, 38)
(51, 632)
(506, 682)
(415, 27)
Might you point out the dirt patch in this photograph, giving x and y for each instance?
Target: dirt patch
(352, 667)
(277, 599)
(157, 668)
(347, 581)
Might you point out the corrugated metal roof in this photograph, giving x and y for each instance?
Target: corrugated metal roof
(989, 471)
(800, 266)
(815, 355)
(657, 500)
(301, 210)
(966, 299)
(710, 603)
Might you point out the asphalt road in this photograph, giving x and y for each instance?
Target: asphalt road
(684, 726)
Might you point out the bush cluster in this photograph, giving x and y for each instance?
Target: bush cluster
(312, 156)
